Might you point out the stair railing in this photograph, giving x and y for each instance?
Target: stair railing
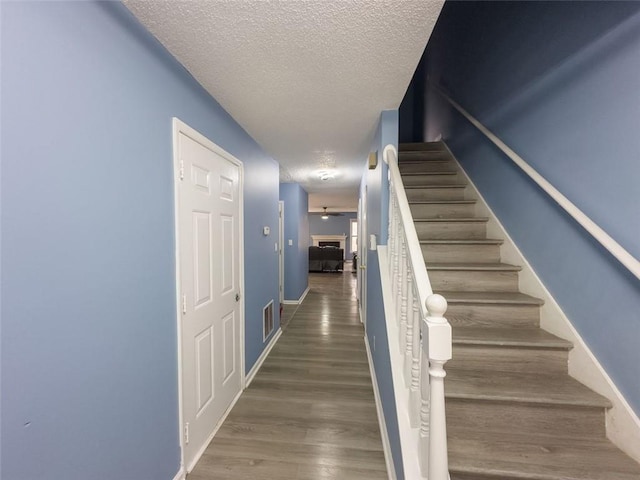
(424, 334)
(622, 255)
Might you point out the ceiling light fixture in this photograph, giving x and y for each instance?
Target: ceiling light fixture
(325, 215)
(325, 175)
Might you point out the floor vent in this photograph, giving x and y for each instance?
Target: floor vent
(267, 320)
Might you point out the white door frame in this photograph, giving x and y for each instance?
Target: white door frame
(178, 127)
(362, 255)
(281, 252)
(351, 220)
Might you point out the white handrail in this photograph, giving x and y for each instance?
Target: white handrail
(622, 255)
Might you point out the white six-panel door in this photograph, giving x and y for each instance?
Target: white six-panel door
(209, 249)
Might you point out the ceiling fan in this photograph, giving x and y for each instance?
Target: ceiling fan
(326, 215)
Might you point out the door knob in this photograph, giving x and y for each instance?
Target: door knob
(237, 297)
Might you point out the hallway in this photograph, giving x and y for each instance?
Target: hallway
(310, 411)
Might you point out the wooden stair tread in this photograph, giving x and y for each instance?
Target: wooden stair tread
(464, 241)
(415, 174)
(516, 413)
(495, 267)
(419, 156)
(512, 298)
(441, 202)
(533, 337)
(453, 219)
(444, 185)
(536, 457)
(419, 161)
(538, 388)
(421, 147)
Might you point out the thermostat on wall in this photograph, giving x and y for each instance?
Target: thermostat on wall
(266, 231)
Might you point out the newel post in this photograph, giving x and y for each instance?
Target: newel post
(437, 340)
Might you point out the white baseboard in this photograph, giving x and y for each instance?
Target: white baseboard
(265, 353)
(181, 475)
(386, 445)
(623, 425)
(299, 301)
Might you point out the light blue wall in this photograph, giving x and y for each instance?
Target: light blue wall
(88, 347)
(558, 82)
(334, 226)
(296, 229)
(377, 224)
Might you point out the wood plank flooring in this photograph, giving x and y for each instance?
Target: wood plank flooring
(310, 412)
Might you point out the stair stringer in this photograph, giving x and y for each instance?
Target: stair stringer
(622, 423)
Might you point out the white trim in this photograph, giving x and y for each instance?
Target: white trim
(181, 475)
(263, 356)
(178, 127)
(281, 251)
(176, 209)
(350, 239)
(198, 455)
(624, 257)
(623, 425)
(409, 437)
(300, 300)
(386, 445)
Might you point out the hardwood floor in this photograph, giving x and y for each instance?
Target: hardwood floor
(310, 412)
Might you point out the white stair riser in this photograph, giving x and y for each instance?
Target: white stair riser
(509, 359)
(492, 315)
(546, 419)
(447, 230)
(486, 253)
(473, 280)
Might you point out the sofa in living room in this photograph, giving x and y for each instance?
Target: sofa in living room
(326, 259)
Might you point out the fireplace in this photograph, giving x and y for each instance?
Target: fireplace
(329, 240)
(325, 243)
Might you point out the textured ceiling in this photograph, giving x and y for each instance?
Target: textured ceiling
(306, 79)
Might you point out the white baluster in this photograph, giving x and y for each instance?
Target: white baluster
(396, 255)
(402, 294)
(439, 351)
(425, 390)
(409, 312)
(414, 389)
(392, 219)
(398, 279)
